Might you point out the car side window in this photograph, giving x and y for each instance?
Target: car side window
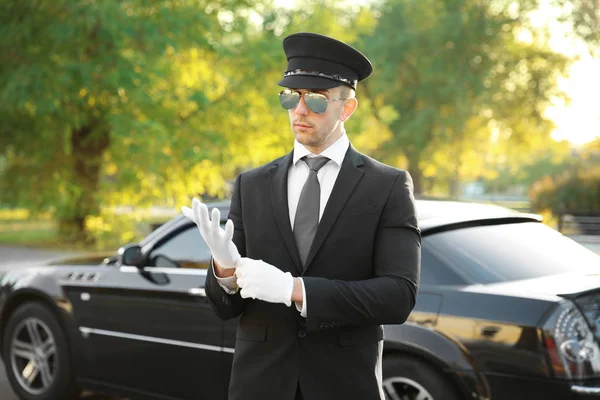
(186, 248)
(435, 272)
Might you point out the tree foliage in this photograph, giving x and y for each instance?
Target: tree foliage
(89, 87)
(107, 103)
(455, 76)
(584, 17)
(575, 188)
(576, 191)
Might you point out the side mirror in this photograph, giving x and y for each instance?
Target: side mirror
(131, 255)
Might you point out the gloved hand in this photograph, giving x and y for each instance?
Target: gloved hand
(263, 281)
(218, 240)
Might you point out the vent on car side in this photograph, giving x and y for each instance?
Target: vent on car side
(82, 276)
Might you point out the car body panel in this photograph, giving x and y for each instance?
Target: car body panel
(149, 330)
(566, 285)
(127, 325)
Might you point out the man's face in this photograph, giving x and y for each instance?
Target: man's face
(317, 131)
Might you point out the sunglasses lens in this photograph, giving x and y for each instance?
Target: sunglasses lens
(289, 99)
(316, 102)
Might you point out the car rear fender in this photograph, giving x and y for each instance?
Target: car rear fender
(439, 350)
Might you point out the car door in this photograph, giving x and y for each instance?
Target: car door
(429, 299)
(151, 329)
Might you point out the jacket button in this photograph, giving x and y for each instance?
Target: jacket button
(301, 334)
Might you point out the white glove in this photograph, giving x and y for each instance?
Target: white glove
(263, 281)
(218, 240)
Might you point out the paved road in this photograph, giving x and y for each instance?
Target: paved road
(6, 392)
(23, 254)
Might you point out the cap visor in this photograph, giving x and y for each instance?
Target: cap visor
(308, 82)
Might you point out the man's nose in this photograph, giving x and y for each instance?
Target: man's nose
(301, 108)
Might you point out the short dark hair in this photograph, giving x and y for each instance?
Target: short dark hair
(347, 91)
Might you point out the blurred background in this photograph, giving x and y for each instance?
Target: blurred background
(114, 114)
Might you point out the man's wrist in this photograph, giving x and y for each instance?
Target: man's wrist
(221, 272)
(297, 295)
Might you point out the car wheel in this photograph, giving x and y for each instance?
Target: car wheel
(408, 378)
(36, 355)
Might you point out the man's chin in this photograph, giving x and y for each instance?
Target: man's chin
(304, 138)
(306, 131)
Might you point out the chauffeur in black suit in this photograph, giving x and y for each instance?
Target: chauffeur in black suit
(321, 247)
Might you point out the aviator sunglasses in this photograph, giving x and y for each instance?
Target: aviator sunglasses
(316, 102)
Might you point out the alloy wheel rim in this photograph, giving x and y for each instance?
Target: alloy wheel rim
(401, 388)
(33, 356)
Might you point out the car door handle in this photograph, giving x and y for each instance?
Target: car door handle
(490, 331)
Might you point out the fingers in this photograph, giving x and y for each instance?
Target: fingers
(229, 230)
(196, 207)
(247, 289)
(247, 293)
(201, 213)
(244, 266)
(215, 220)
(195, 204)
(245, 270)
(241, 282)
(188, 212)
(238, 270)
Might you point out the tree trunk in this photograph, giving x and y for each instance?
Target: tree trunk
(88, 145)
(417, 175)
(454, 188)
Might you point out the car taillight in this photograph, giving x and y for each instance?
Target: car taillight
(572, 350)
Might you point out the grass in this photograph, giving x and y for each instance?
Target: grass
(19, 229)
(16, 231)
(31, 233)
(27, 237)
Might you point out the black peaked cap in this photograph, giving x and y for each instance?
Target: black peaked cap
(319, 62)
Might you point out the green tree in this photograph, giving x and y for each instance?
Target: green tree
(88, 87)
(546, 160)
(577, 190)
(456, 75)
(176, 97)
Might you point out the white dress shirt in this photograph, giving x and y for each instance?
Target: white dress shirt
(297, 175)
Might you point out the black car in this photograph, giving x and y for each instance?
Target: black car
(508, 308)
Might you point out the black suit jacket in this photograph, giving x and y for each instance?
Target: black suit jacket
(362, 271)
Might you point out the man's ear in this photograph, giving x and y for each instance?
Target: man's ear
(350, 106)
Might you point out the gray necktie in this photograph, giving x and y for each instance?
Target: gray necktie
(307, 213)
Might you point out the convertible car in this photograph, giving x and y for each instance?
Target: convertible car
(508, 308)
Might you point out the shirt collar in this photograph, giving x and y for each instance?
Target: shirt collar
(335, 152)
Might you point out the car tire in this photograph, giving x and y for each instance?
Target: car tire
(36, 355)
(407, 377)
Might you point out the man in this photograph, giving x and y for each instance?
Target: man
(330, 244)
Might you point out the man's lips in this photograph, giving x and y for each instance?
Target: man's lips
(302, 125)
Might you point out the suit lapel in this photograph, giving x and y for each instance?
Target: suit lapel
(279, 196)
(348, 177)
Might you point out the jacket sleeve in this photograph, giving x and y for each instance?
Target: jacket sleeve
(228, 306)
(388, 297)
